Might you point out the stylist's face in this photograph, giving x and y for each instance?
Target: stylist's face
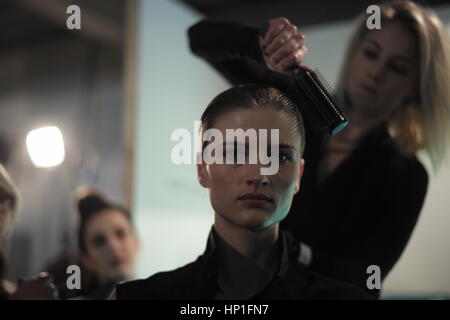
(238, 192)
(383, 73)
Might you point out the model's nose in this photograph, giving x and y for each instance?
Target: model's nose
(255, 177)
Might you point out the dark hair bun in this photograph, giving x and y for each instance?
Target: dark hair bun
(89, 201)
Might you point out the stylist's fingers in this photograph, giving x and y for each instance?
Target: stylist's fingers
(275, 26)
(281, 39)
(294, 59)
(44, 276)
(293, 45)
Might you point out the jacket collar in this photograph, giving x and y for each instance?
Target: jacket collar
(208, 268)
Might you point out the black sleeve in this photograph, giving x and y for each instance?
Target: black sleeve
(231, 49)
(390, 219)
(397, 210)
(343, 269)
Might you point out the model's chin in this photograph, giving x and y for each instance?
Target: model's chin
(255, 218)
(248, 217)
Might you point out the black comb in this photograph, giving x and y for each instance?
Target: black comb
(322, 97)
(313, 86)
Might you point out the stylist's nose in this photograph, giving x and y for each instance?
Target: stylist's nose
(377, 71)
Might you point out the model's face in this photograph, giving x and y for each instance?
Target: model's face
(384, 71)
(111, 245)
(238, 192)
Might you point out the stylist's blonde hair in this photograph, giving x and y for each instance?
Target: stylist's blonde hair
(7, 187)
(423, 124)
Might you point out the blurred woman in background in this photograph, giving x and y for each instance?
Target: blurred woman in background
(107, 246)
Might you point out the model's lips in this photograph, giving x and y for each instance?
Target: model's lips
(370, 89)
(255, 199)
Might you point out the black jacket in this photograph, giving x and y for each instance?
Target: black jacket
(365, 211)
(198, 280)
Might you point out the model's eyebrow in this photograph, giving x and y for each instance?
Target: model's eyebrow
(287, 146)
(397, 57)
(280, 146)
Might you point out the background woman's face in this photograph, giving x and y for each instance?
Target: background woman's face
(228, 183)
(384, 70)
(111, 244)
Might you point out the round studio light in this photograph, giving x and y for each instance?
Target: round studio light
(46, 147)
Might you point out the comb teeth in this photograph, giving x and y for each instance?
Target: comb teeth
(324, 83)
(328, 87)
(323, 97)
(323, 91)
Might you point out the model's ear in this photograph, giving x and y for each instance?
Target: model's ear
(202, 174)
(301, 167)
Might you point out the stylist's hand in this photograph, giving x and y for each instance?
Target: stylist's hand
(282, 46)
(38, 288)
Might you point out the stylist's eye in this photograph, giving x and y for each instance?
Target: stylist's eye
(399, 69)
(370, 53)
(99, 241)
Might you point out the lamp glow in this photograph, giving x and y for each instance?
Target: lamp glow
(46, 147)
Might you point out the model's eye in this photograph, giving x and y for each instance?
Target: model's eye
(284, 156)
(99, 241)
